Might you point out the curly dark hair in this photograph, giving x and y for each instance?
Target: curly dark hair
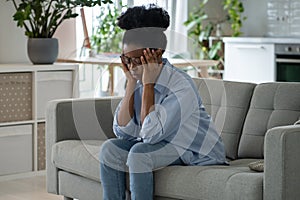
(142, 16)
(145, 26)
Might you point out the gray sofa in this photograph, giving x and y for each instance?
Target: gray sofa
(256, 122)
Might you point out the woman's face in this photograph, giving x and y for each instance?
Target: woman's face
(132, 55)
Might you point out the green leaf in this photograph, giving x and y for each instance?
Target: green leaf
(40, 18)
(212, 54)
(201, 36)
(198, 20)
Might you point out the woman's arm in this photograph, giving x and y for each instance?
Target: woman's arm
(174, 110)
(147, 101)
(152, 65)
(126, 111)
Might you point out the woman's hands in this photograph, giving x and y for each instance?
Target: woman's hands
(152, 64)
(126, 111)
(127, 73)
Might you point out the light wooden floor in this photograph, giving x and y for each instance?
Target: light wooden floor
(33, 188)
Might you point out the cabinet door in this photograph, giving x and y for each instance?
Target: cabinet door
(249, 62)
(50, 86)
(15, 149)
(15, 96)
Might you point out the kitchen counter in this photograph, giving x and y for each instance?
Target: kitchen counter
(262, 59)
(271, 40)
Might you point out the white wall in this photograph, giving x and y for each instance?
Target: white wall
(66, 34)
(256, 23)
(255, 10)
(13, 42)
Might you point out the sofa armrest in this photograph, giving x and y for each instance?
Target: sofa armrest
(76, 119)
(282, 163)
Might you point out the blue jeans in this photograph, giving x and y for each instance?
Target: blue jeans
(140, 159)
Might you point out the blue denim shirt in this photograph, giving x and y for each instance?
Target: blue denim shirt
(179, 118)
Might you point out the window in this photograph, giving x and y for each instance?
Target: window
(176, 32)
(94, 79)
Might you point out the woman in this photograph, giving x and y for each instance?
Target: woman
(161, 120)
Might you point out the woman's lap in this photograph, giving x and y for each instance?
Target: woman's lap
(138, 156)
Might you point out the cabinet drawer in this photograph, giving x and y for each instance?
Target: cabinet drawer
(15, 149)
(50, 86)
(248, 62)
(15, 97)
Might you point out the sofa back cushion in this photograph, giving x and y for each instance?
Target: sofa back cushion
(272, 104)
(227, 103)
(86, 119)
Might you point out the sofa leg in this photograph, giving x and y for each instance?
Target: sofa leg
(68, 198)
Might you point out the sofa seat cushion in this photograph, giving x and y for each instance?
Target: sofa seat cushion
(182, 182)
(78, 157)
(236, 181)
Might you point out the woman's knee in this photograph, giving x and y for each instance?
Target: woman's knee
(105, 151)
(111, 152)
(139, 159)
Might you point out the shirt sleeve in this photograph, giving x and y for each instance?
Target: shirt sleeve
(169, 115)
(128, 132)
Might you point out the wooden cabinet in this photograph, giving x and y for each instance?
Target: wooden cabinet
(249, 62)
(24, 93)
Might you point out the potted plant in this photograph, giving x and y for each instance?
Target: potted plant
(234, 9)
(107, 35)
(41, 18)
(202, 28)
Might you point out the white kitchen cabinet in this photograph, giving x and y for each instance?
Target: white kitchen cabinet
(25, 90)
(249, 62)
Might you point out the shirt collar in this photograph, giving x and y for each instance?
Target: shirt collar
(164, 76)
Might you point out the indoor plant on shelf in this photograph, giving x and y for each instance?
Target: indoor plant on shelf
(41, 18)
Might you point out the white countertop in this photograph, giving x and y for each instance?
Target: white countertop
(272, 40)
